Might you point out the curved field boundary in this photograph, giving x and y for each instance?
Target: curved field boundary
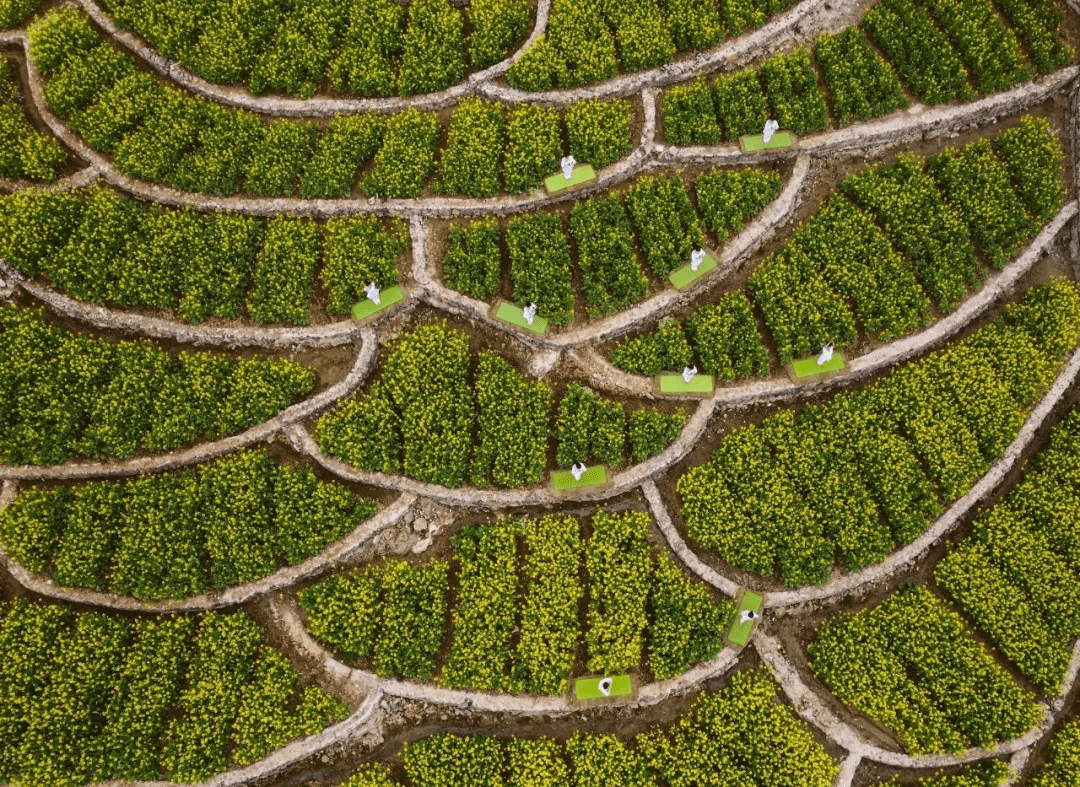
(621, 482)
(287, 613)
(996, 285)
(331, 335)
(366, 718)
(781, 28)
(767, 223)
(237, 96)
(901, 559)
(339, 550)
(811, 708)
(645, 157)
(83, 177)
(755, 393)
(264, 432)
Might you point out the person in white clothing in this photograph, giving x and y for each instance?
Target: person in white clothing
(567, 164)
(771, 127)
(688, 373)
(697, 256)
(529, 313)
(605, 686)
(747, 616)
(577, 470)
(826, 354)
(373, 293)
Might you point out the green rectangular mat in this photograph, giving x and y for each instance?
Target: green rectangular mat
(739, 633)
(682, 277)
(562, 480)
(366, 307)
(752, 143)
(674, 384)
(589, 688)
(582, 174)
(808, 367)
(508, 312)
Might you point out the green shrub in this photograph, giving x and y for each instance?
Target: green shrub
(648, 355)
(611, 276)
(279, 157)
(727, 199)
(741, 103)
(791, 83)
(533, 147)
(284, 271)
(496, 26)
(433, 48)
(407, 155)
(540, 265)
(599, 131)
(341, 150)
(651, 431)
(367, 63)
(473, 261)
(359, 251)
(689, 114)
(666, 222)
(470, 163)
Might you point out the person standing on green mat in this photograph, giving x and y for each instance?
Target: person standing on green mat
(771, 127)
(529, 313)
(577, 470)
(826, 354)
(697, 256)
(747, 616)
(372, 293)
(567, 164)
(688, 373)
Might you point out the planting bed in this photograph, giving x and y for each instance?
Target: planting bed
(294, 492)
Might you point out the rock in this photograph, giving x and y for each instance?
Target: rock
(422, 546)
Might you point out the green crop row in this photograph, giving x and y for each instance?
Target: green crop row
(1063, 767)
(97, 246)
(590, 42)
(934, 64)
(638, 604)
(1020, 564)
(848, 481)
(72, 395)
(665, 223)
(25, 152)
(368, 47)
(90, 697)
(785, 88)
(911, 664)
(741, 733)
(725, 338)
(874, 257)
(161, 134)
(242, 516)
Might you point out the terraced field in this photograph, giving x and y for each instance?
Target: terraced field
(453, 393)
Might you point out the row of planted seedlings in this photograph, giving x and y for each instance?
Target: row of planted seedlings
(897, 245)
(70, 394)
(944, 50)
(95, 245)
(625, 243)
(828, 488)
(742, 733)
(25, 152)
(442, 412)
(90, 696)
(368, 48)
(524, 605)
(960, 655)
(159, 133)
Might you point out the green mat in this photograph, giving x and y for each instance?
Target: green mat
(752, 143)
(561, 480)
(682, 277)
(366, 307)
(808, 367)
(583, 173)
(739, 633)
(674, 384)
(508, 312)
(589, 688)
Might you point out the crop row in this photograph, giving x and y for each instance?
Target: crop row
(97, 246)
(935, 60)
(368, 47)
(635, 596)
(1063, 765)
(25, 152)
(1021, 563)
(913, 665)
(665, 228)
(69, 394)
(88, 697)
(896, 239)
(419, 418)
(988, 773)
(849, 481)
(158, 133)
(740, 732)
(579, 45)
(234, 520)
